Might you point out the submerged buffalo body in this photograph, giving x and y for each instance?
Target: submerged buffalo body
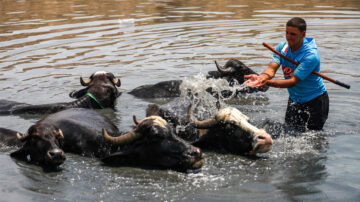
(100, 92)
(82, 131)
(233, 71)
(227, 131)
(164, 89)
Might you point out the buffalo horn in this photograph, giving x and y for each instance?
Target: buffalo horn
(224, 70)
(205, 124)
(113, 79)
(189, 112)
(22, 137)
(116, 81)
(136, 121)
(123, 139)
(83, 83)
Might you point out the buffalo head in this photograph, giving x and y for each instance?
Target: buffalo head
(230, 131)
(233, 69)
(153, 143)
(234, 72)
(41, 145)
(102, 85)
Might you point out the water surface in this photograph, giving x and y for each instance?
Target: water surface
(46, 45)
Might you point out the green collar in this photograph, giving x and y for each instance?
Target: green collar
(94, 98)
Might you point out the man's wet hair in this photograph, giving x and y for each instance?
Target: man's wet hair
(297, 22)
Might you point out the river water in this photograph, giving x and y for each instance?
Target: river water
(46, 45)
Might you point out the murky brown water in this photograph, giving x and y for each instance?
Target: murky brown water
(46, 45)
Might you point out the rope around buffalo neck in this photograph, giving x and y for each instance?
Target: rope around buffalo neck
(96, 100)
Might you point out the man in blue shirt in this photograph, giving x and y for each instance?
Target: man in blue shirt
(308, 104)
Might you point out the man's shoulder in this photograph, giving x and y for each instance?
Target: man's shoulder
(311, 55)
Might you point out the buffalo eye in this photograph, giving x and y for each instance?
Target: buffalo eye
(59, 138)
(59, 134)
(60, 142)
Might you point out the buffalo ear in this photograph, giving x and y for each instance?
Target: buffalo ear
(117, 93)
(20, 154)
(77, 94)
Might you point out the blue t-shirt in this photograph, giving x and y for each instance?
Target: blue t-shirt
(310, 85)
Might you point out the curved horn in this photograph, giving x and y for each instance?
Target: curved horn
(136, 121)
(113, 79)
(22, 137)
(205, 124)
(83, 83)
(189, 112)
(224, 70)
(116, 81)
(123, 139)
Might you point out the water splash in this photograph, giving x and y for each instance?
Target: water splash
(200, 85)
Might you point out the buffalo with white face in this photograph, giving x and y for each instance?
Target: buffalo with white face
(227, 130)
(230, 131)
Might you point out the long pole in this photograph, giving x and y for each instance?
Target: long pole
(316, 73)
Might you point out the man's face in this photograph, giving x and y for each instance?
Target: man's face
(294, 36)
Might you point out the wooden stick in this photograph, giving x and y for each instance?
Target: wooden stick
(314, 72)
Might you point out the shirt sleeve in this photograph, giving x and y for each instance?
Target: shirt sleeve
(276, 57)
(307, 65)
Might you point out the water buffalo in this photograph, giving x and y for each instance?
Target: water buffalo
(100, 92)
(233, 71)
(230, 131)
(77, 131)
(81, 131)
(155, 144)
(227, 131)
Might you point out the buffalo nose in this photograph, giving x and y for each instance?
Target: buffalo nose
(56, 154)
(265, 138)
(195, 151)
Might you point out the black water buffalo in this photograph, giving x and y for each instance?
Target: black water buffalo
(77, 131)
(82, 131)
(100, 92)
(155, 144)
(228, 130)
(233, 71)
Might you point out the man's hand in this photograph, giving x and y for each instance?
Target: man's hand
(255, 80)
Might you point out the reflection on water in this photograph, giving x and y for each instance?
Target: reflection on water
(45, 46)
